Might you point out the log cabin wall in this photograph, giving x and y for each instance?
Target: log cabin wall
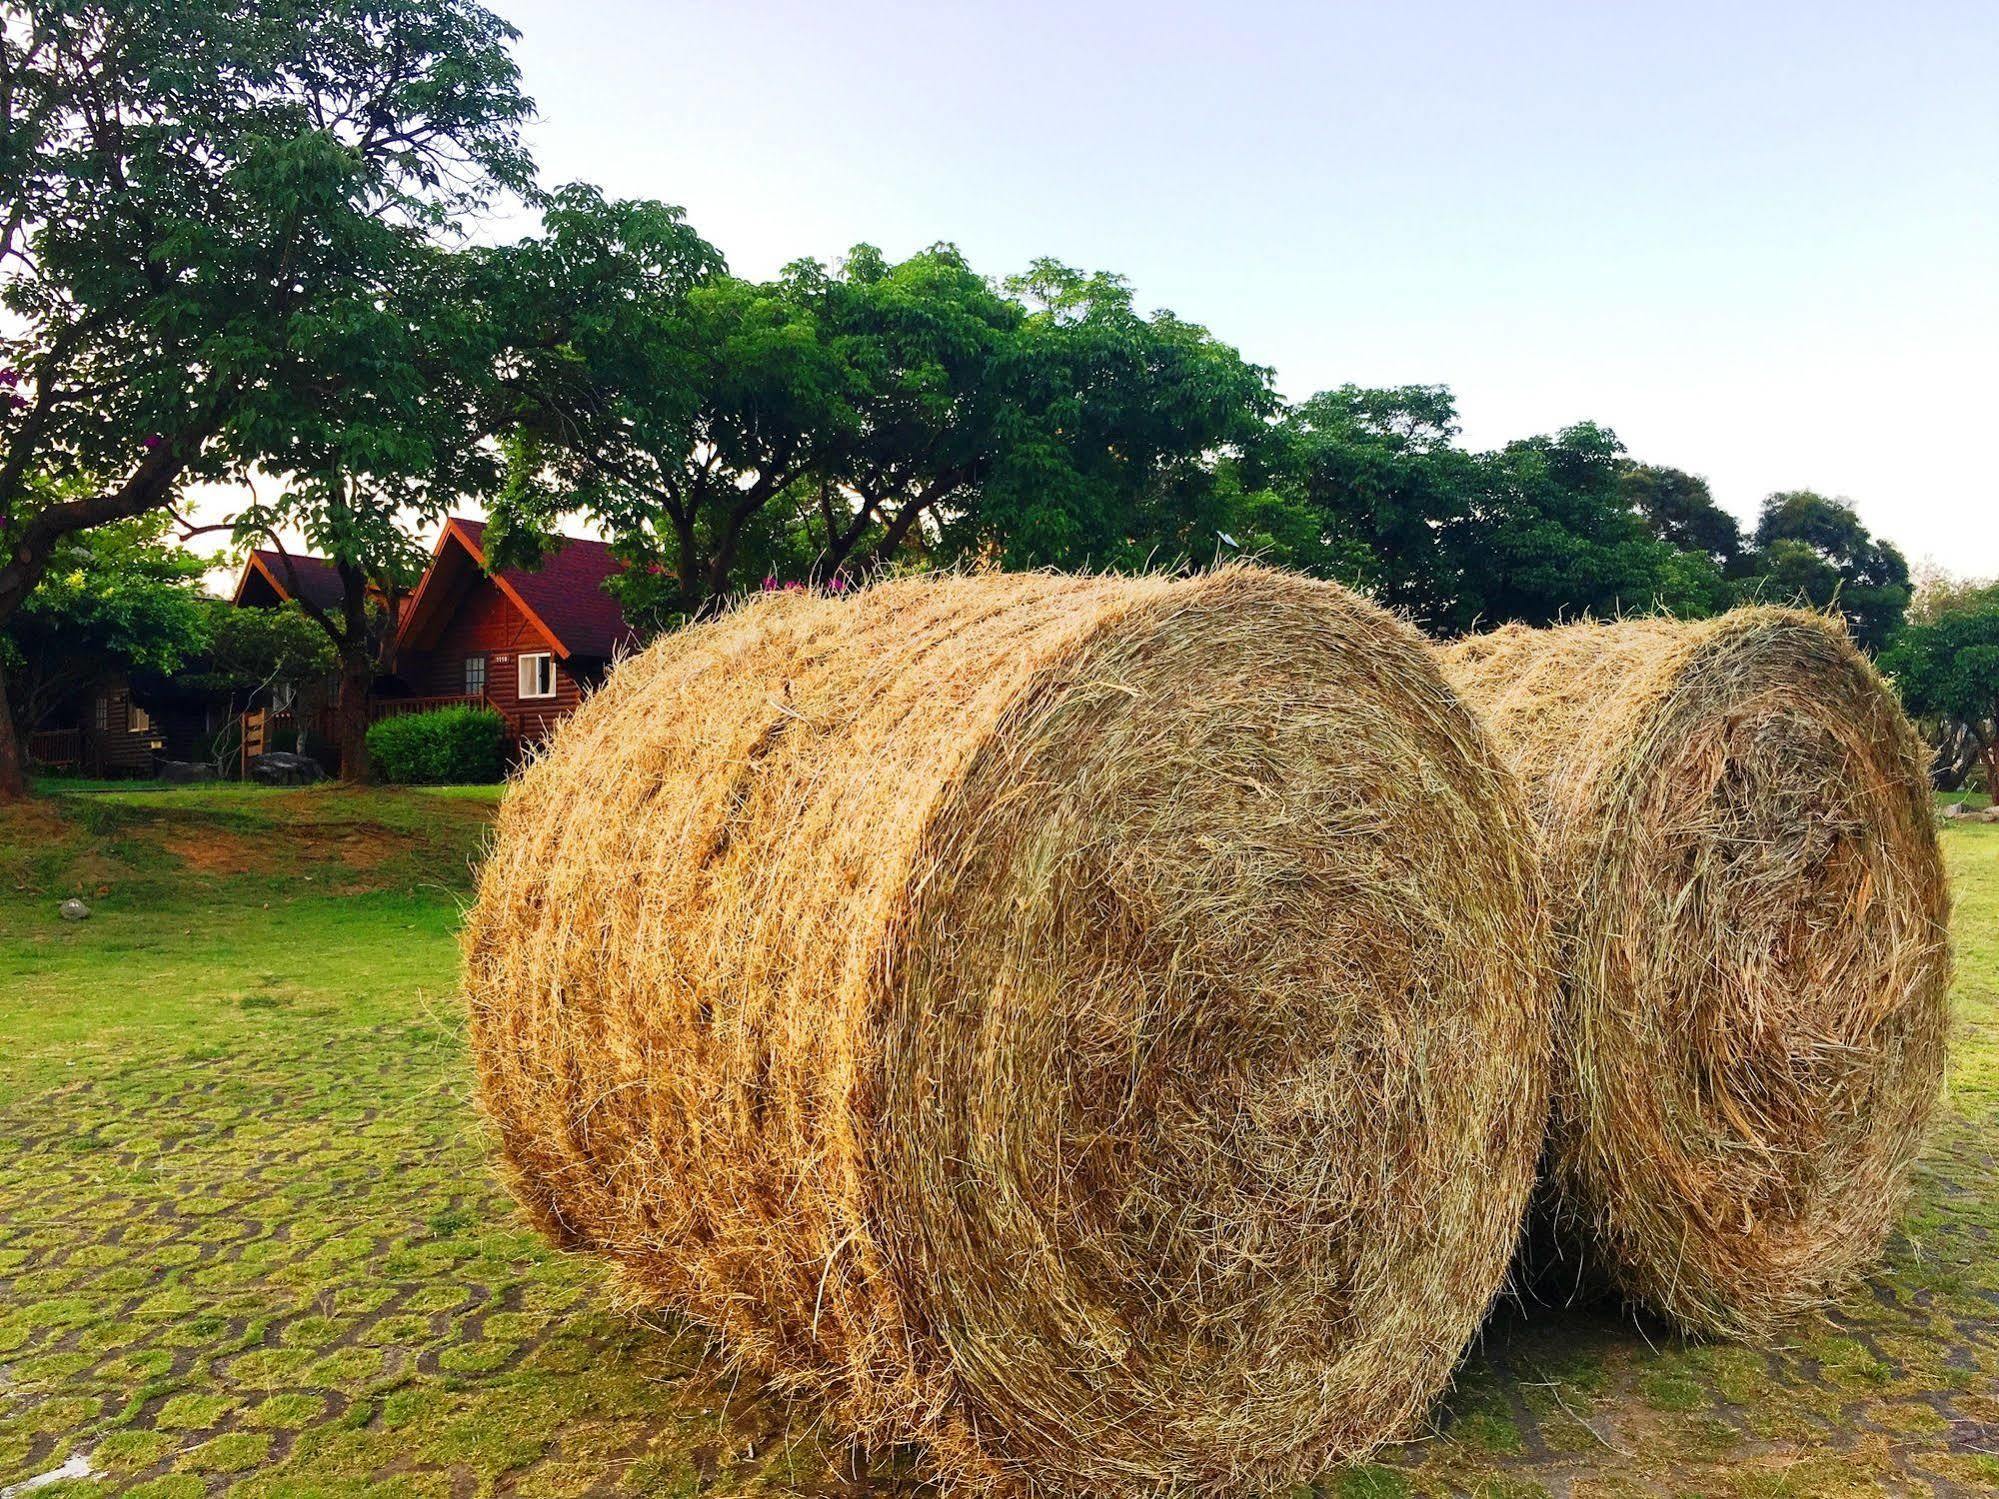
(120, 737)
(486, 625)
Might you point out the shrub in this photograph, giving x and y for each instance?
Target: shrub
(446, 747)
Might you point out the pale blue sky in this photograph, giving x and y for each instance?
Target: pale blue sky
(1758, 240)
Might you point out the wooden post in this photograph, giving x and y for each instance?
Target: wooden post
(253, 738)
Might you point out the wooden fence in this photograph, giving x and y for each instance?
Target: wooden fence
(56, 749)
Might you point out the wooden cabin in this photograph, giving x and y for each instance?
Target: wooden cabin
(524, 642)
(527, 642)
(115, 735)
(270, 578)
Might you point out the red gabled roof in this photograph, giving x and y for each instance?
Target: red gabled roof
(318, 580)
(564, 597)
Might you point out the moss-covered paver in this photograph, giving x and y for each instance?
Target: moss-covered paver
(249, 1242)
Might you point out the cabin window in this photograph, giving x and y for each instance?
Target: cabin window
(475, 676)
(141, 721)
(537, 674)
(103, 714)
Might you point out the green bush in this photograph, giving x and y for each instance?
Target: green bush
(450, 746)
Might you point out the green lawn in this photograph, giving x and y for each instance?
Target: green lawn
(248, 1239)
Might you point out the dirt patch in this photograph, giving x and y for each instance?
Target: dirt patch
(32, 821)
(362, 848)
(213, 851)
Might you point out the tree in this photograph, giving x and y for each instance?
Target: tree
(249, 651)
(193, 194)
(120, 597)
(830, 421)
(1110, 426)
(652, 391)
(1679, 509)
(1048, 423)
(1946, 664)
(1549, 535)
(922, 351)
(1815, 551)
(363, 463)
(1381, 478)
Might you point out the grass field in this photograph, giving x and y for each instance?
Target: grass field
(248, 1240)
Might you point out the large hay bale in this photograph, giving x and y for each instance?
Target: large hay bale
(1750, 912)
(1094, 1026)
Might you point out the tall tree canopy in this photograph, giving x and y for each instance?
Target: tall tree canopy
(653, 392)
(203, 201)
(363, 463)
(832, 420)
(925, 348)
(1110, 423)
(1541, 529)
(1380, 478)
(1678, 508)
(1813, 550)
(1946, 664)
(1550, 536)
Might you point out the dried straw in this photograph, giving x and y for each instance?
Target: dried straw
(1750, 912)
(1094, 1026)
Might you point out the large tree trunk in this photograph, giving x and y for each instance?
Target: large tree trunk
(13, 752)
(1955, 753)
(351, 712)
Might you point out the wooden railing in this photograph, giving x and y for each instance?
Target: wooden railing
(59, 749)
(395, 707)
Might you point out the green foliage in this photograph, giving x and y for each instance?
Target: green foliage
(1946, 665)
(1679, 509)
(1552, 537)
(217, 211)
(222, 254)
(1379, 479)
(1815, 551)
(649, 390)
(121, 597)
(833, 421)
(252, 648)
(446, 747)
(1110, 424)
(1379, 495)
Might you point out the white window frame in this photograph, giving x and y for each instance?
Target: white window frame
(531, 661)
(481, 663)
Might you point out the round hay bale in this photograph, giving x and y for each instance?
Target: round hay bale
(1096, 1027)
(1750, 912)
